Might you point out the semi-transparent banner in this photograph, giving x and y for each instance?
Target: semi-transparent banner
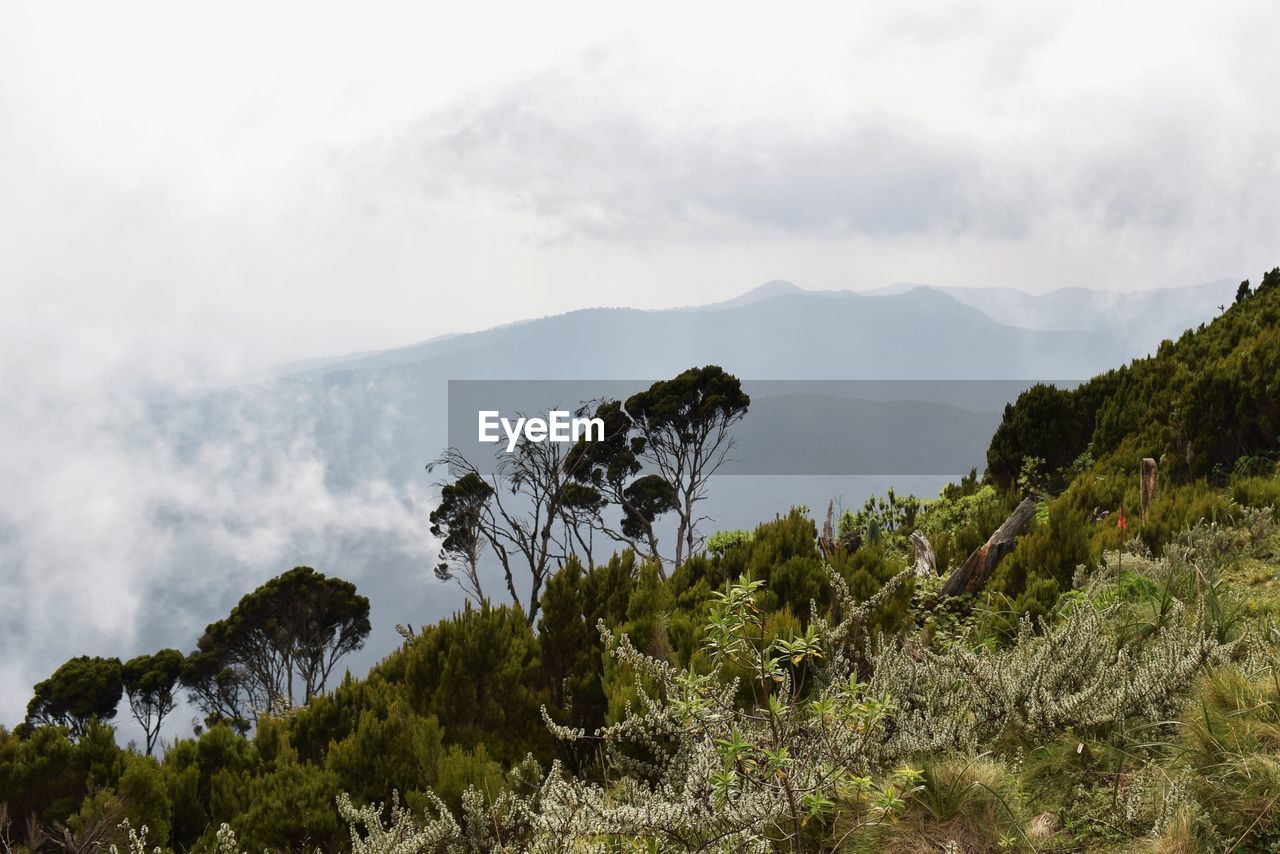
(791, 427)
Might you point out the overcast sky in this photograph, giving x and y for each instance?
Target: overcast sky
(272, 181)
(189, 191)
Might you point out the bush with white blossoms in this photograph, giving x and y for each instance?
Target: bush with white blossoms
(816, 754)
(1071, 673)
(703, 771)
(804, 742)
(696, 769)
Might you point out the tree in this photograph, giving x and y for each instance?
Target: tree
(1270, 281)
(285, 636)
(479, 673)
(685, 423)
(82, 690)
(569, 643)
(608, 468)
(149, 682)
(219, 691)
(1242, 292)
(460, 519)
(1046, 422)
(526, 519)
(542, 495)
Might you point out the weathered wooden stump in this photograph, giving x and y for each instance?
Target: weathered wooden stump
(975, 571)
(1148, 485)
(926, 563)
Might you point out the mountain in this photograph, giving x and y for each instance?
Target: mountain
(795, 334)
(1143, 317)
(773, 288)
(1004, 332)
(326, 466)
(384, 415)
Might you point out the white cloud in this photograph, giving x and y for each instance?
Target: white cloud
(191, 194)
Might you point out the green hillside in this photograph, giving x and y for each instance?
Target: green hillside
(1112, 687)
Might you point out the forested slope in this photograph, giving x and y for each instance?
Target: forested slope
(1113, 686)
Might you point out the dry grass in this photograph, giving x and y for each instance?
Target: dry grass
(972, 802)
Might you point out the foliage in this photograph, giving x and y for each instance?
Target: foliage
(886, 521)
(572, 653)
(721, 541)
(278, 646)
(459, 520)
(478, 674)
(1197, 405)
(79, 692)
(149, 684)
(1232, 738)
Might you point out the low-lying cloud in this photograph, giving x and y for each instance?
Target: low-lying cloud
(172, 222)
(135, 513)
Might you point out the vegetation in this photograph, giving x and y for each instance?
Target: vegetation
(150, 683)
(1114, 687)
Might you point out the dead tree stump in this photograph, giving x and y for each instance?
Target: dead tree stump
(1149, 480)
(975, 571)
(926, 563)
(827, 541)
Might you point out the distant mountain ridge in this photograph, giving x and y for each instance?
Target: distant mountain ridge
(796, 334)
(1134, 321)
(1146, 316)
(363, 427)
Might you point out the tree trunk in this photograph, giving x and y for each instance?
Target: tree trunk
(1148, 485)
(970, 577)
(827, 542)
(925, 564)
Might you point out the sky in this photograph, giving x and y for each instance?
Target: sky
(192, 194)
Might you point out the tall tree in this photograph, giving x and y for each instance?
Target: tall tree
(609, 468)
(685, 424)
(149, 683)
(219, 691)
(460, 520)
(82, 690)
(280, 643)
(524, 523)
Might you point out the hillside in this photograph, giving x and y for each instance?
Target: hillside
(1113, 687)
(358, 433)
(1199, 405)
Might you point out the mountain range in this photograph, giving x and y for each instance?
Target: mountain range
(349, 438)
(779, 330)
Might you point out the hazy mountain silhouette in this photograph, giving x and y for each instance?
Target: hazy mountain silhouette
(789, 334)
(366, 425)
(1141, 317)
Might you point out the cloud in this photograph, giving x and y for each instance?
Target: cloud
(587, 152)
(136, 509)
(614, 177)
(189, 198)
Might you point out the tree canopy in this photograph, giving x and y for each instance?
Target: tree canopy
(279, 645)
(149, 683)
(82, 690)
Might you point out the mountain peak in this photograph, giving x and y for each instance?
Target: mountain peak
(772, 288)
